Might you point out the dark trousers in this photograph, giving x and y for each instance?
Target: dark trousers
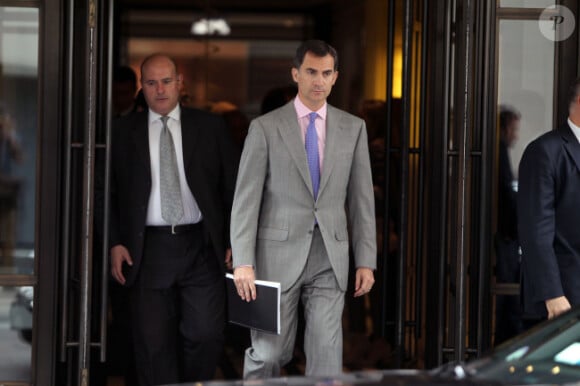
(120, 357)
(177, 309)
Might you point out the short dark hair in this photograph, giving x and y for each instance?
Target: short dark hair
(573, 91)
(317, 47)
(507, 114)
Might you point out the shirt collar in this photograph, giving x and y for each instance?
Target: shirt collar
(575, 129)
(303, 111)
(173, 114)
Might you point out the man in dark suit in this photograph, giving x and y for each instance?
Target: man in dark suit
(173, 265)
(548, 215)
(508, 309)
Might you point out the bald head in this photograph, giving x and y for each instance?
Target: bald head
(156, 58)
(161, 83)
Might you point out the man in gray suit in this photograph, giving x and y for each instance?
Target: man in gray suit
(304, 186)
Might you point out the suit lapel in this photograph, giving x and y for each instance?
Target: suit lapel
(188, 136)
(571, 145)
(333, 130)
(141, 138)
(290, 132)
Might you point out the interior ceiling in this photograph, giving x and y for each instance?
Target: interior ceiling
(226, 5)
(248, 19)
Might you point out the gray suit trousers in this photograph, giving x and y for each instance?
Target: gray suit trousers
(323, 302)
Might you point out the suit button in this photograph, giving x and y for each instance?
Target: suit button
(310, 232)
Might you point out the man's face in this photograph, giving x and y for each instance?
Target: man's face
(161, 85)
(315, 79)
(512, 132)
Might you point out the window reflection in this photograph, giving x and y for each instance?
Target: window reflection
(525, 93)
(526, 79)
(527, 3)
(18, 123)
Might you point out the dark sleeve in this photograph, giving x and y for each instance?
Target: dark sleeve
(536, 221)
(114, 236)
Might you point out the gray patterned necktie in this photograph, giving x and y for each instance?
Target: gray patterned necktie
(171, 204)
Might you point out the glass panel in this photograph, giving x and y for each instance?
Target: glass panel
(15, 333)
(526, 80)
(527, 3)
(525, 95)
(18, 123)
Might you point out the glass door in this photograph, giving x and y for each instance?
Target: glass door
(534, 40)
(19, 28)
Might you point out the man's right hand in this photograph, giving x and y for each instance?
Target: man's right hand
(244, 278)
(119, 254)
(557, 306)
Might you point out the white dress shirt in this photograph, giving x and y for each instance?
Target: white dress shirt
(575, 129)
(191, 212)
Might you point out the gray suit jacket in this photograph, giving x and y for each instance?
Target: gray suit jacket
(274, 211)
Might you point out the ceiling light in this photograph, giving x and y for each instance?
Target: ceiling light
(217, 26)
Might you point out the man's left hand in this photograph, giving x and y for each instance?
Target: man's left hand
(557, 306)
(364, 281)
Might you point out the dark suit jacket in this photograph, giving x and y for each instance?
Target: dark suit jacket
(507, 217)
(549, 219)
(210, 160)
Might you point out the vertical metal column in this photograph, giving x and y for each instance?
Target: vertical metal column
(387, 149)
(458, 145)
(485, 107)
(403, 223)
(107, 63)
(444, 122)
(66, 226)
(464, 125)
(409, 295)
(88, 204)
(421, 189)
(84, 108)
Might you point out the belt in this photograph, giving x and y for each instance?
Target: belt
(174, 229)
